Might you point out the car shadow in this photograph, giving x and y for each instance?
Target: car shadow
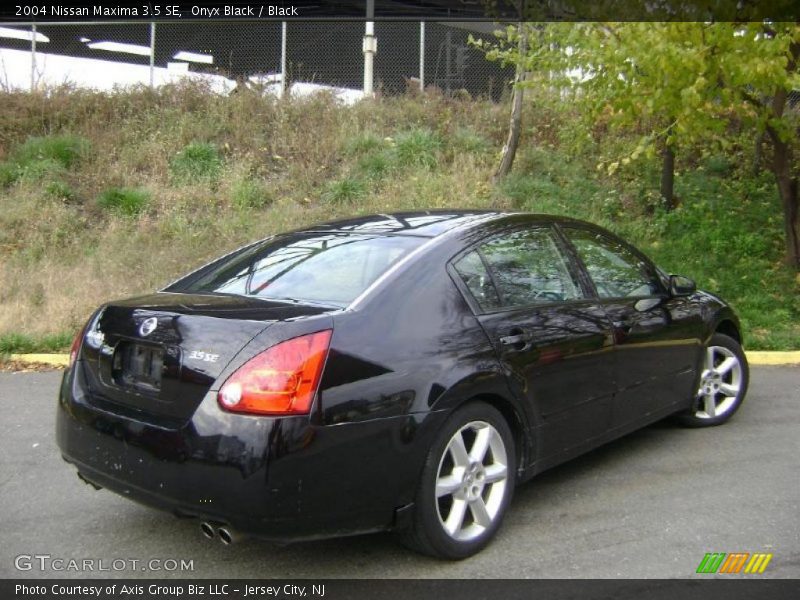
(356, 555)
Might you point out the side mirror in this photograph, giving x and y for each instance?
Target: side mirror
(681, 286)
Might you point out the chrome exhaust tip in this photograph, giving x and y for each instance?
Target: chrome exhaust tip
(207, 530)
(227, 536)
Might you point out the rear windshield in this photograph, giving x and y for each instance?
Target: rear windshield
(320, 268)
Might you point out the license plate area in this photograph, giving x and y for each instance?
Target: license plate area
(138, 366)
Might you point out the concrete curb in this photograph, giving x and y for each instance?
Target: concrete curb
(764, 357)
(754, 357)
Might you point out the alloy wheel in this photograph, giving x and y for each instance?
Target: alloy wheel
(471, 481)
(720, 383)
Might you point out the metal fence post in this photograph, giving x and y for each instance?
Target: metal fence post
(152, 53)
(284, 82)
(33, 57)
(370, 47)
(422, 56)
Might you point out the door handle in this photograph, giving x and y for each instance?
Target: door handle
(516, 338)
(513, 340)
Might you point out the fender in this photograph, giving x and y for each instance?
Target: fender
(492, 387)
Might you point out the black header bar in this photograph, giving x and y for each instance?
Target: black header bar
(408, 10)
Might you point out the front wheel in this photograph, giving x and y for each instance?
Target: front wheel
(467, 483)
(723, 383)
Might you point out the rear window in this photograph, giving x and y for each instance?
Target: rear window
(326, 268)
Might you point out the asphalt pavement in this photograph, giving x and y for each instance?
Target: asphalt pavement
(648, 505)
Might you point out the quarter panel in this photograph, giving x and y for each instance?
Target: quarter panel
(413, 348)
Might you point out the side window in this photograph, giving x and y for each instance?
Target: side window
(527, 268)
(616, 271)
(474, 275)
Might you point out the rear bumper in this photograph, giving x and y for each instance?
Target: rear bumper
(277, 478)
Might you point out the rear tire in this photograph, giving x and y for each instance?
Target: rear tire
(466, 485)
(723, 384)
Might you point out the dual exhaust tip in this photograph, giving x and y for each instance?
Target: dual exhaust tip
(215, 530)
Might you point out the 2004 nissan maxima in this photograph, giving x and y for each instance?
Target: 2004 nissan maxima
(395, 372)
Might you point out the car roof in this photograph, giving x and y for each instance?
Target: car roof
(430, 223)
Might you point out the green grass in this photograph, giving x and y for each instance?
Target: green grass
(65, 150)
(466, 139)
(376, 165)
(363, 143)
(43, 158)
(417, 148)
(8, 174)
(58, 190)
(128, 202)
(196, 162)
(179, 175)
(345, 190)
(250, 194)
(18, 343)
(705, 239)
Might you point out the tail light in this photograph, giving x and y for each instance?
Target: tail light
(76, 346)
(282, 380)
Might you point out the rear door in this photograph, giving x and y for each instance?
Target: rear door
(657, 338)
(550, 335)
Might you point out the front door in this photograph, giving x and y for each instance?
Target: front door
(656, 337)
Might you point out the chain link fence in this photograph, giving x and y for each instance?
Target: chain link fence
(296, 56)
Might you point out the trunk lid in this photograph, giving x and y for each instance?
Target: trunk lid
(159, 354)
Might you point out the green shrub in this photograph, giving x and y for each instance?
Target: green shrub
(124, 201)
(196, 162)
(417, 147)
(344, 190)
(247, 193)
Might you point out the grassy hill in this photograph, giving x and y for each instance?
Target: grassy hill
(109, 195)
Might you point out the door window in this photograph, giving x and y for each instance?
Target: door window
(525, 267)
(616, 271)
(473, 273)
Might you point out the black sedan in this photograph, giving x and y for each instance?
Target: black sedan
(394, 372)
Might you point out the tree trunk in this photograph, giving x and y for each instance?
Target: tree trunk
(515, 126)
(787, 189)
(782, 161)
(758, 154)
(668, 176)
